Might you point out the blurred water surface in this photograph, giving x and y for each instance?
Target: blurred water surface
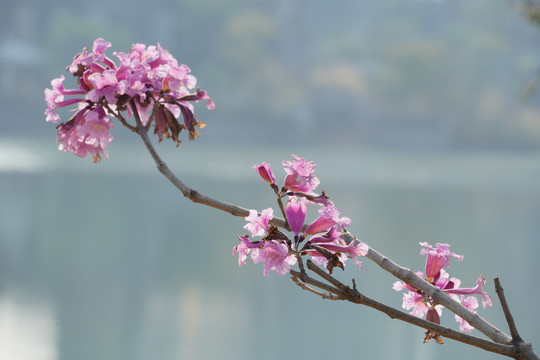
(109, 261)
(410, 108)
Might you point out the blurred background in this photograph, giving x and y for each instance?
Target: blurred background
(421, 116)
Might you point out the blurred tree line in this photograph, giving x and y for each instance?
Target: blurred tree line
(418, 73)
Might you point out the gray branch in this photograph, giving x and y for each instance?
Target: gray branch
(501, 341)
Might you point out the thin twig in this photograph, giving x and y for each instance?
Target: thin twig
(282, 209)
(355, 296)
(506, 309)
(300, 263)
(327, 296)
(309, 280)
(522, 348)
(119, 116)
(439, 297)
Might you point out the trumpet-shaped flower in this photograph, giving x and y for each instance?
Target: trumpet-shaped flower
(265, 172)
(300, 176)
(244, 248)
(86, 133)
(258, 225)
(437, 258)
(55, 98)
(296, 213)
(415, 302)
(329, 216)
(275, 256)
(486, 299)
(414, 299)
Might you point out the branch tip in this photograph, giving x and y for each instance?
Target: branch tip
(516, 338)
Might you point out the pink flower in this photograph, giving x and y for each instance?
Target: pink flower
(329, 216)
(273, 250)
(275, 256)
(258, 225)
(322, 260)
(148, 76)
(180, 78)
(332, 235)
(95, 128)
(325, 234)
(265, 172)
(55, 98)
(322, 238)
(300, 175)
(399, 285)
(99, 47)
(353, 250)
(85, 60)
(433, 315)
(86, 133)
(203, 95)
(296, 213)
(437, 258)
(104, 84)
(244, 248)
(331, 212)
(321, 224)
(470, 303)
(415, 301)
(362, 249)
(486, 299)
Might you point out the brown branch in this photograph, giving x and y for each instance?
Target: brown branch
(282, 209)
(404, 274)
(301, 281)
(524, 349)
(353, 295)
(119, 116)
(188, 192)
(439, 297)
(506, 310)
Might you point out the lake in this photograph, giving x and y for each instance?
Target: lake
(109, 261)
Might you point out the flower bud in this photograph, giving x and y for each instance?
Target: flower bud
(265, 172)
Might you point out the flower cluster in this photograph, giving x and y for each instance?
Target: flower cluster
(320, 240)
(147, 80)
(421, 304)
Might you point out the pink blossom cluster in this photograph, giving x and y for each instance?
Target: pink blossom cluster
(422, 305)
(321, 239)
(146, 79)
